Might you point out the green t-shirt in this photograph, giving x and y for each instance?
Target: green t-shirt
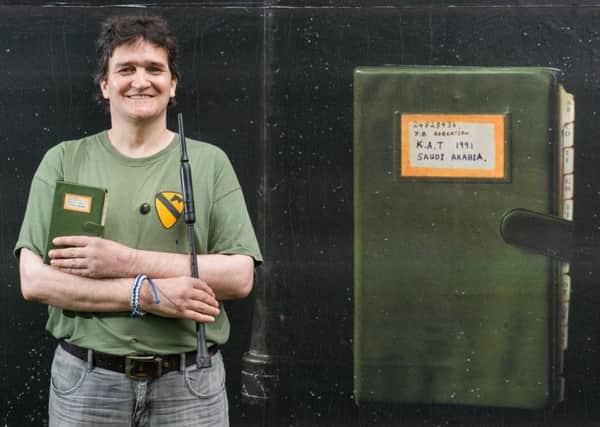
(222, 226)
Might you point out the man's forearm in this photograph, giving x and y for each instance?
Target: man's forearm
(182, 297)
(44, 284)
(229, 276)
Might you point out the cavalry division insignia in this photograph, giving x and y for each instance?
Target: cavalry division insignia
(169, 206)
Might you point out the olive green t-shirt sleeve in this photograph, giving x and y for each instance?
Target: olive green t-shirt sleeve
(34, 229)
(230, 229)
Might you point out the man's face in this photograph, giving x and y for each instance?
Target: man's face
(138, 83)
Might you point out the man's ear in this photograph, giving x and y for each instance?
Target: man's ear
(104, 88)
(173, 87)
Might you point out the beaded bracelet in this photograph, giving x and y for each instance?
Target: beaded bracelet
(135, 294)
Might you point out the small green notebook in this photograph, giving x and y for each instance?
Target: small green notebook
(76, 210)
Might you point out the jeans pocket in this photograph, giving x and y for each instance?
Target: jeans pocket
(207, 382)
(67, 373)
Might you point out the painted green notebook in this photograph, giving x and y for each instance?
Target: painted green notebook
(77, 210)
(445, 311)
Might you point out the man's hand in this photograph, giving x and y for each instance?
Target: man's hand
(92, 257)
(183, 297)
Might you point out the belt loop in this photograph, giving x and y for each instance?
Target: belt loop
(181, 362)
(90, 360)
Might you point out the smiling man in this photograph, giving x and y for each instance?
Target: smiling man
(102, 327)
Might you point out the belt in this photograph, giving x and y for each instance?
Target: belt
(137, 367)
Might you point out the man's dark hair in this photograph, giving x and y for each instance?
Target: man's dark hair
(119, 30)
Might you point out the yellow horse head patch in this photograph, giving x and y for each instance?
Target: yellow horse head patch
(169, 206)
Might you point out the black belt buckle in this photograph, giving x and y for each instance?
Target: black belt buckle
(143, 367)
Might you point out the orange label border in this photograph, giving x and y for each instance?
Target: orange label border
(409, 171)
(86, 207)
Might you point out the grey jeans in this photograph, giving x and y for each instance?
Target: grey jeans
(99, 397)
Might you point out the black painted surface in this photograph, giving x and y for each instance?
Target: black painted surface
(312, 54)
(271, 83)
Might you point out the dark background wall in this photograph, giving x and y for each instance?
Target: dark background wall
(271, 83)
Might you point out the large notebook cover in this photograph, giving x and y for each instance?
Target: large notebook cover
(445, 311)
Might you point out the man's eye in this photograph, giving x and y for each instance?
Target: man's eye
(126, 70)
(154, 70)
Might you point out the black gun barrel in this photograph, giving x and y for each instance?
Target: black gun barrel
(189, 215)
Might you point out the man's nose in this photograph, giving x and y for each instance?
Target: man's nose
(140, 79)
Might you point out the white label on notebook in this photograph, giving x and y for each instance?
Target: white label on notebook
(452, 145)
(77, 203)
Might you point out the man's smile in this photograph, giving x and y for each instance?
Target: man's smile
(139, 96)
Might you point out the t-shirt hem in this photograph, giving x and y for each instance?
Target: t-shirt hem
(257, 258)
(23, 244)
